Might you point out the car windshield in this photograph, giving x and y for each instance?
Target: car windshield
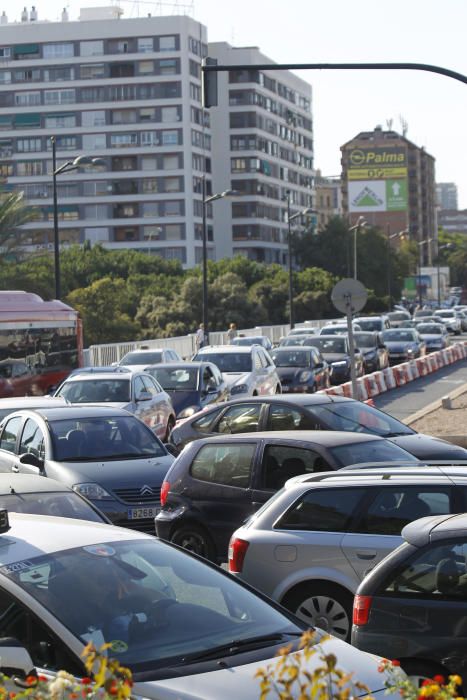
(358, 417)
(370, 324)
(430, 329)
(297, 340)
(253, 340)
(176, 379)
(92, 390)
(96, 438)
(445, 314)
(302, 331)
(397, 315)
(227, 361)
(372, 451)
(141, 358)
(365, 340)
(336, 344)
(292, 358)
(65, 504)
(163, 606)
(334, 330)
(406, 336)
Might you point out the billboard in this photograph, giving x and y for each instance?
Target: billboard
(377, 195)
(377, 179)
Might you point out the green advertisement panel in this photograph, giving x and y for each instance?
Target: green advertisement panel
(396, 195)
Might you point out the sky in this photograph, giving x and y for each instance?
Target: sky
(433, 107)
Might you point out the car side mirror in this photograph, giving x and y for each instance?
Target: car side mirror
(143, 396)
(32, 461)
(356, 350)
(171, 449)
(319, 365)
(15, 659)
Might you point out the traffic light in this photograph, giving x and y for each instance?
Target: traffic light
(209, 83)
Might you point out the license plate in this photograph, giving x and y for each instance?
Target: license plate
(143, 512)
(285, 389)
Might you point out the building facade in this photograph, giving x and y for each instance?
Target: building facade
(262, 145)
(446, 195)
(390, 182)
(453, 220)
(124, 90)
(328, 199)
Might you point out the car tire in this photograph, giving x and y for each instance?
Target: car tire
(195, 539)
(419, 671)
(322, 605)
(170, 427)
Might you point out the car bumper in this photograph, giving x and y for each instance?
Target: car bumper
(135, 516)
(339, 375)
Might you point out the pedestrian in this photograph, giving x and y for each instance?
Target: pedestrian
(232, 333)
(200, 337)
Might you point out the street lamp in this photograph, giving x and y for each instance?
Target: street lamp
(206, 201)
(290, 218)
(361, 223)
(427, 241)
(76, 164)
(389, 237)
(447, 246)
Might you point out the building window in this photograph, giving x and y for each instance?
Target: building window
(120, 46)
(153, 233)
(26, 99)
(147, 114)
(122, 70)
(195, 69)
(170, 114)
(172, 184)
(91, 48)
(149, 163)
(149, 138)
(123, 140)
(58, 50)
(92, 70)
(171, 162)
(59, 97)
(145, 67)
(150, 209)
(167, 43)
(5, 77)
(30, 167)
(195, 92)
(95, 211)
(52, 75)
(175, 254)
(126, 233)
(150, 185)
(97, 188)
(174, 232)
(26, 121)
(168, 66)
(93, 118)
(171, 138)
(5, 52)
(127, 210)
(31, 145)
(124, 187)
(25, 51)
(92, 142)
(173, 208)
(63, 143)
(124, 116)
(145, 44)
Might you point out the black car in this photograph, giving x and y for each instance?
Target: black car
(336, 351)
(301, 369)
(403, 344)
(374, 351)
(411, 606)
(190, 385)
(218, 482)
(310, 412)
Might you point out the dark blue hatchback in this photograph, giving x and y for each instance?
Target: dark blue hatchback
(190, 385)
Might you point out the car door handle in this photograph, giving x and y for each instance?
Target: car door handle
(365, 555)
(15, 468)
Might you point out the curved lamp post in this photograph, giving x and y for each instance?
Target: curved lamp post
(389, 236)
(361, 223)
(206, 201)
(76, 164)
(290, 218)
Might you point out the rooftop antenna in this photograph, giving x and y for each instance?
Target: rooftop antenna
(389, 124)
(404, 125)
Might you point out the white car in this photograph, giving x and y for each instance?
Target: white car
(248, 371)
(186, 629)
(139, 359)
(338, 329)
(119, 387)
(451, 320)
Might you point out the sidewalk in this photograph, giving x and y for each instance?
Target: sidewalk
(450, 424)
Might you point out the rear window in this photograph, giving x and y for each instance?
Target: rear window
(323, 510)
(141, 358)
(372, 451)
(229, 465)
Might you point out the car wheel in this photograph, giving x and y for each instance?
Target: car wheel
(322, 605)
(170, 427)
(418, 671)
(194, 539)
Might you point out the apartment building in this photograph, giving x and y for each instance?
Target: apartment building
(262, 146)
(124, 90)
(328, 199)
(446, 195)
(390, 182)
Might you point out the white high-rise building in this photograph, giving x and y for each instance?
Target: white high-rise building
(128, 91)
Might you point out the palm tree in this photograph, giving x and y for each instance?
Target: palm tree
(14, 212)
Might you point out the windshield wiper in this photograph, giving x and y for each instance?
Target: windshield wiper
(238, 645)
(395, 434)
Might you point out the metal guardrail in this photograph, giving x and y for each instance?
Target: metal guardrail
(101, 355)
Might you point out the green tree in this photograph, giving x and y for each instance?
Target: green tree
(14, 212)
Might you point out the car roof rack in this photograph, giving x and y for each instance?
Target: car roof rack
(111, 369)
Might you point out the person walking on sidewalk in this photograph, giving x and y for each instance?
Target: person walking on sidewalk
(231, 333)
(200, 337)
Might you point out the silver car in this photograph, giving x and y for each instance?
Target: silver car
(311, 544)
(136, 392)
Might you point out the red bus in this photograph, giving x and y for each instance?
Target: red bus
(40, 343)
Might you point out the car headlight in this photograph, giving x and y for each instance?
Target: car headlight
(409, 351)
(188, 412)
(239, 389)
(338, 365)
(91, 491)
(305, 376)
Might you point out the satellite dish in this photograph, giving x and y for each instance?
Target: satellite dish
(349, 293)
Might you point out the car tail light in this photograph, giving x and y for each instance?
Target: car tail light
(361, 609)
(237, 551)
(165, 488)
